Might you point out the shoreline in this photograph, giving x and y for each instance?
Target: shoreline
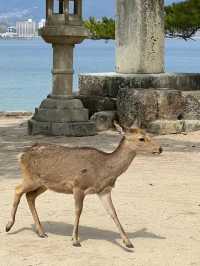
(15, 114)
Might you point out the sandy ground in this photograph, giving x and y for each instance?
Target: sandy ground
(157, 199)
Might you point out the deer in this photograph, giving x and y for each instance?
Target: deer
(79, 171)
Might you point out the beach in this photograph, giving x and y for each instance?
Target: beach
(157, 200)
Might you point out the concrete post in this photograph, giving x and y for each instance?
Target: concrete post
(62, 69)
(140, 36)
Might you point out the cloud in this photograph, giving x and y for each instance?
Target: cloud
(15, 14)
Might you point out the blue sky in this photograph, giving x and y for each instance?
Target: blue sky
(22, 9)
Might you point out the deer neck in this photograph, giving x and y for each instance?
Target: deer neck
(121, 158)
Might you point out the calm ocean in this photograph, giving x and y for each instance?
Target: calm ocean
(25, 67)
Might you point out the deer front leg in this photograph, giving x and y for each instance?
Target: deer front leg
(31, 197)
(109, 207)
(78, 197)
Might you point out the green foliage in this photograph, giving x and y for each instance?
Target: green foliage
(181, 20)
(101, 29)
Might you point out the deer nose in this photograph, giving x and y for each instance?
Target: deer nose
(160, 150)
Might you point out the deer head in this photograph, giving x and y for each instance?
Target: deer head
(138, 140)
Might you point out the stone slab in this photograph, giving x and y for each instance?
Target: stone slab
(36, 127)
(164, 127)
(73, 129)
(61, 115)
(53, 103)
(108, 84)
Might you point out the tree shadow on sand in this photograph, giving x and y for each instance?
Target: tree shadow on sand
(86, 232)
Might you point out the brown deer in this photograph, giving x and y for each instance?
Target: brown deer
(78, 171)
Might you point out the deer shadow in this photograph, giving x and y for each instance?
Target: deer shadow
(86, 232)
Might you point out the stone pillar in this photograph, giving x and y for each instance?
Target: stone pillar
(62, 69)
(140, 36)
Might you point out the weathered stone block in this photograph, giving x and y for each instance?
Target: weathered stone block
(162, 127)
(104, 120)
(191, 108)
(97, 103)
(37, 127)
(195, 94)
(137, 105)
(170, 104)
(191, 125)
(74, 129)
(108, 84)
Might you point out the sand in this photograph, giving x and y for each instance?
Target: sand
(157, 200)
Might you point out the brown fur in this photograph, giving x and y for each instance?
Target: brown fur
(78, 171)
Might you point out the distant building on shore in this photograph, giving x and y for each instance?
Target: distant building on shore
(41, 23)
(26, 29)
(10, 33)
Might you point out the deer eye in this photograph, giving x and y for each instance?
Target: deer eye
(142, 139)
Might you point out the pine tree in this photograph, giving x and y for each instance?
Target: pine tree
(181, 20)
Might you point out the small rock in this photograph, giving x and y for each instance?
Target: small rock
(104, 120)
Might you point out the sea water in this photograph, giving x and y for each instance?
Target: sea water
(25, 67)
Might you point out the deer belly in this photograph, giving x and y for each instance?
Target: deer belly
(60, 186)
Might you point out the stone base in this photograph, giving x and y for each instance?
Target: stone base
(159, 102)
(60, 116)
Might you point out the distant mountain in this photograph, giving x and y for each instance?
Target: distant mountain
(22, 9)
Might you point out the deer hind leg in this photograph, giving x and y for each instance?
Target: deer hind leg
(109, 207)
(19, 191)
(31, 197)
(78, 197)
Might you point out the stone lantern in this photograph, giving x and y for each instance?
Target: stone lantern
(61, 113)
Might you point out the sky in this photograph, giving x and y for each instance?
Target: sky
(22, 9)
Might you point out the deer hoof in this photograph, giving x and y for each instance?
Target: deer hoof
(128, 244)
(9, 226)
(76, 244)
(42, 235)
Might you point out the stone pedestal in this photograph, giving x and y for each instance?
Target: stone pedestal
(61, 116)
(61, 113)
(140, 36)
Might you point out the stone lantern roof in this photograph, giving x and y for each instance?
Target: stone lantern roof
(64, 12)
(64, 22)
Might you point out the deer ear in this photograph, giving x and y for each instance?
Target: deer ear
(118, 128)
